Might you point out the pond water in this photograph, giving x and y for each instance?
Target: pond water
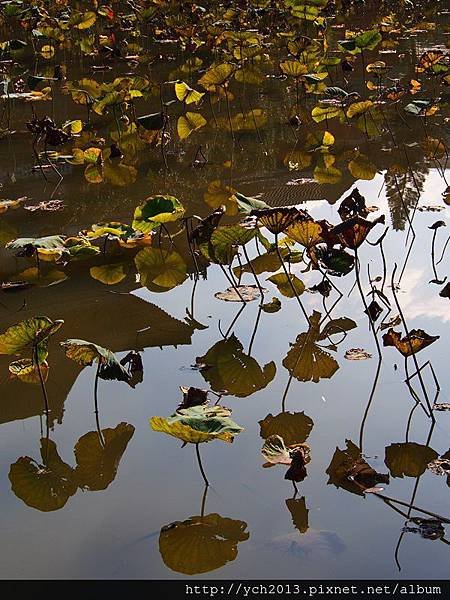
(131, 502)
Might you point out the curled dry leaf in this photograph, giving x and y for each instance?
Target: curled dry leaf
(417, 340)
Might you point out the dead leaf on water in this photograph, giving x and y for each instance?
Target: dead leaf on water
(247, 293)
(357, 354)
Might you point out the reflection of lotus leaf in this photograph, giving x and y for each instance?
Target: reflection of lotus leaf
(349, 470)
(46, 487)
(28, 372)
(161, 268)
(96, 465)
(409, 344)
(228, 368)
(307, 361)
(299, 513)
(408, 459)
(198, 424)
(294, 428)
(201, 544)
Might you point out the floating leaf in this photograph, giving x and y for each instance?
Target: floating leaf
(239, 293)
(357, 354)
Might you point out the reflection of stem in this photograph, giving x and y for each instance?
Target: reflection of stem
(255, 329)
(97, 420)
(231, 282)
(433, 255)
(197, 450)
(205, 493)
(288, 277)
(416, 364)
(41, 379)
(253, 272)
(380, 357)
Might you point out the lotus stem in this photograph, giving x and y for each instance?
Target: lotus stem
(197, 450)
(97, 420)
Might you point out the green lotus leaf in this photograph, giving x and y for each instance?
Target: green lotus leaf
(198, 424)
(47, 486)
(86, 353)
(201, 544)
(51, 242)
(156, 211)
(97, 464)
(31, 333)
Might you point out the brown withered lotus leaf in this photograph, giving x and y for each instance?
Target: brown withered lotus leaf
(299, 513)
(445, 292)
(246, 293)
(352, 232)
(296, 456)
(357, 354)
(201, 544)
(277, 220)
(193, 396)
(308, 233)
(297, 471)
(417, 340)
(353, 205)
(294, 428)
(349, 470)
(201, 234)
